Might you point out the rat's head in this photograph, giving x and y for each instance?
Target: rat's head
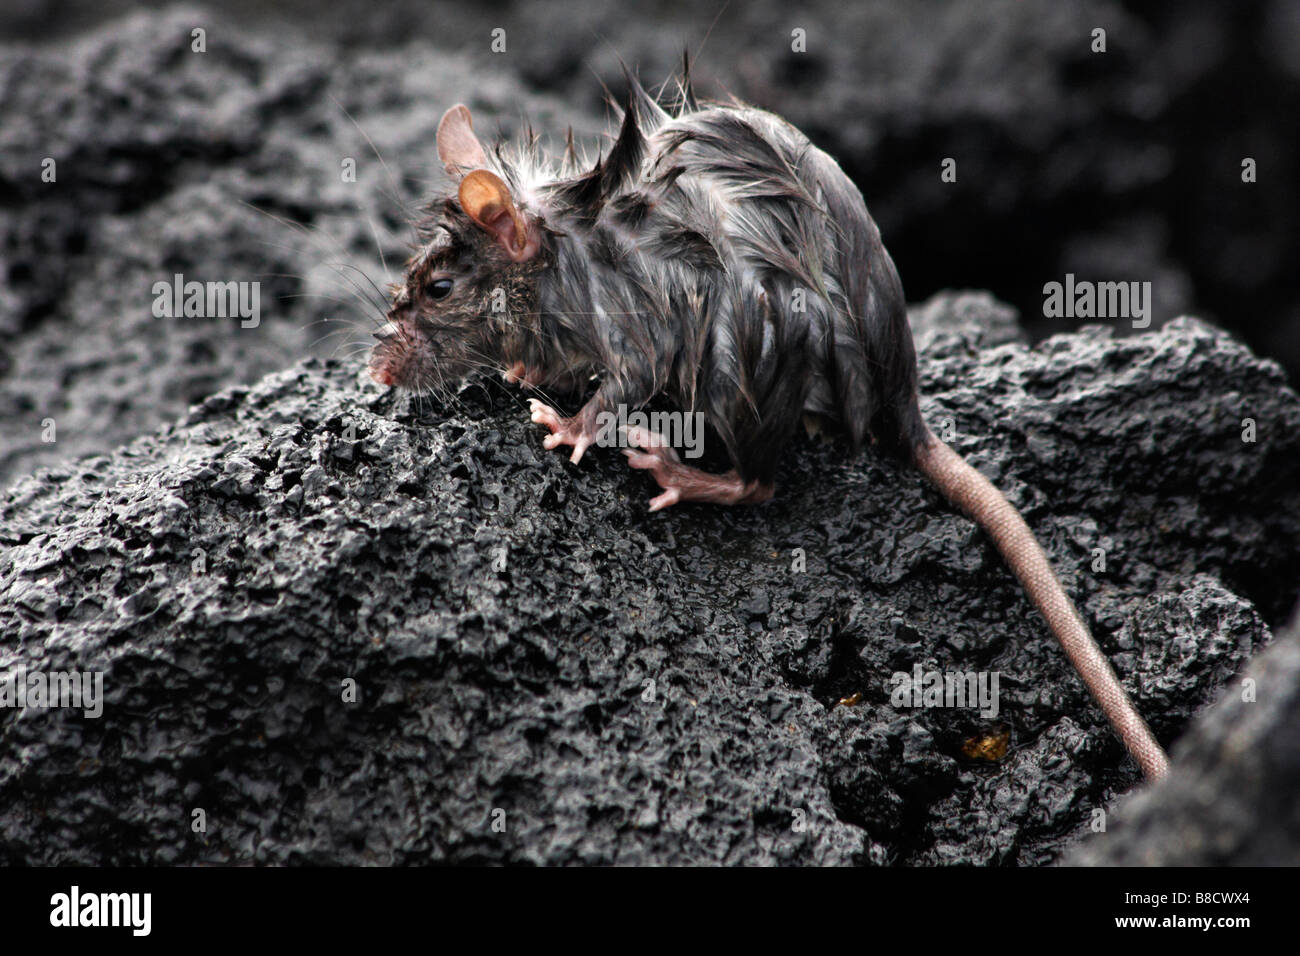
(467, 287)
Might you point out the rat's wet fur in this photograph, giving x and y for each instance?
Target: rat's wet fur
(713, 256)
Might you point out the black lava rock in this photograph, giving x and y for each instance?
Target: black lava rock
(544, 672)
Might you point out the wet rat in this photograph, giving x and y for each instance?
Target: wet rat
(714, 257)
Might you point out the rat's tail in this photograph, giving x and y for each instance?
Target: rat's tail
(973, 493)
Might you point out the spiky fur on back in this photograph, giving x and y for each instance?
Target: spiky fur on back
(717, 256)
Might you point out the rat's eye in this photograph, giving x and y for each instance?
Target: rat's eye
(440, 288)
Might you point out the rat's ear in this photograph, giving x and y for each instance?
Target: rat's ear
(487, 201)
(458, 147)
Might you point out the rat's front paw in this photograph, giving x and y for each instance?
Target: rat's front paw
(564, 431)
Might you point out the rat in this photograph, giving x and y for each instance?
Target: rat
(714, 257)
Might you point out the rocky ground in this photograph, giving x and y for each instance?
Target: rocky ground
(625, 687)
(544, 672)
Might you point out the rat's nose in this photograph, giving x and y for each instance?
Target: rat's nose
(383, 363)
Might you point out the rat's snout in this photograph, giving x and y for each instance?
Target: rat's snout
(421, 352)
(405, 355)
(386, 357)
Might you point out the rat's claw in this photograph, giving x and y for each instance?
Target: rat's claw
(580, 445)
(543, 414)
(639, 459)
(650, 452)
(564, 431)
(656, 446)
(667, 499)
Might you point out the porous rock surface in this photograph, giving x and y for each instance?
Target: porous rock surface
(531, 648)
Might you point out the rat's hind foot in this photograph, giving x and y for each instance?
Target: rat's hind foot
(564, 431)
(684, 483)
